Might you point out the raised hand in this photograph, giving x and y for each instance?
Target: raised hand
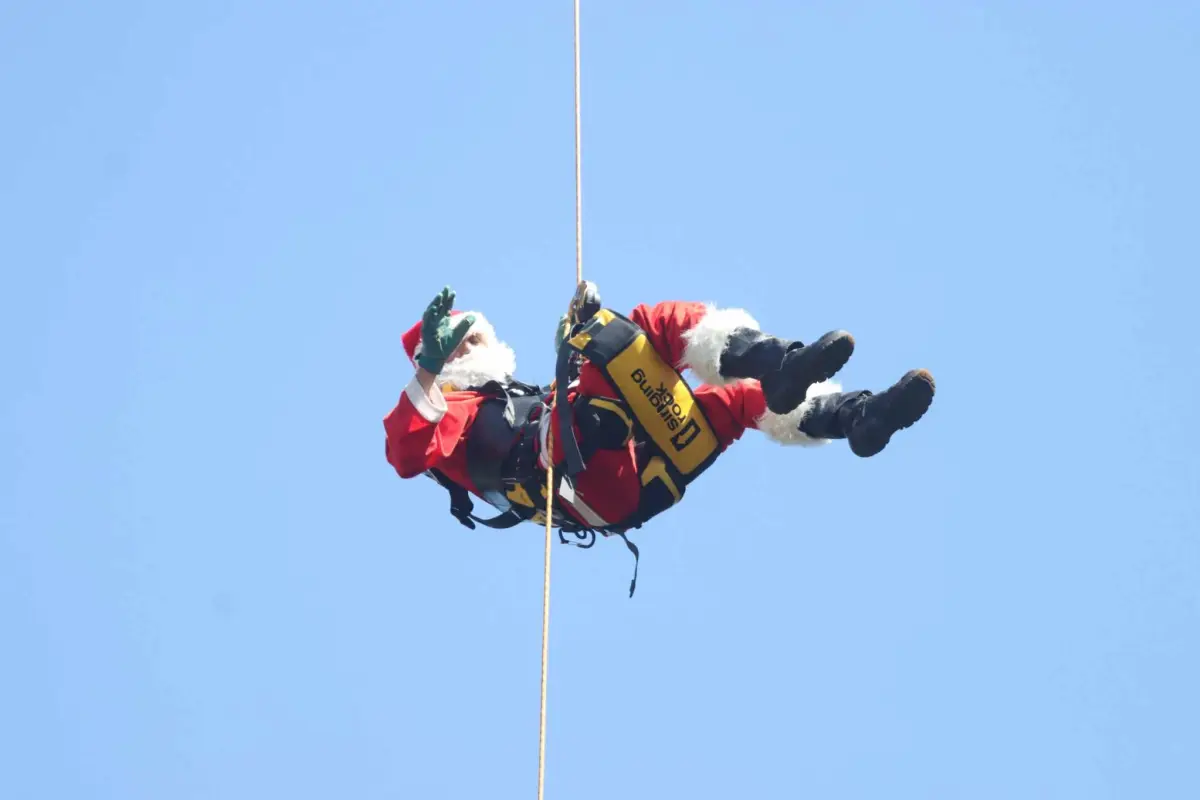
(439, 337)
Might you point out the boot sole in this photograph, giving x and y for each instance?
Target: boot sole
(911, 398)
(809, 365)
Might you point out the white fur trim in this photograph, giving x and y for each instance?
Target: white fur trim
(481, 325)
(705, 342)
(588, 513)
(785, 428)
(432, 407)
(567, 494)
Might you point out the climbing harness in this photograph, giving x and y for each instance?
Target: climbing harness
(654, 407)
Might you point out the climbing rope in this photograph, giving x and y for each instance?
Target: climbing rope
(550, 433)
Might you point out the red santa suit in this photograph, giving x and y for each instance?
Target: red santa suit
(429, 430)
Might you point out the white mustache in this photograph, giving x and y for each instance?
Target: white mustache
(494, 361)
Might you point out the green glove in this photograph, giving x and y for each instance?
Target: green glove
(440, 338)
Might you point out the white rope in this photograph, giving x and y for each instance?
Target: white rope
(550, 434)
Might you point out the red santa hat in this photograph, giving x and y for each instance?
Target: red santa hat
(412, 337)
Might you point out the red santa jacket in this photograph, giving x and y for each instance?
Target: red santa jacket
(429, 431)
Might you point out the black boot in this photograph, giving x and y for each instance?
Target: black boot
(786, 368)
(870, 420)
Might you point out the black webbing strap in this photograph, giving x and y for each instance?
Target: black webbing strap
(636, 557)
(461, 506)
(562, 376)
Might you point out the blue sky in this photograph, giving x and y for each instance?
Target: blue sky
(220, 217)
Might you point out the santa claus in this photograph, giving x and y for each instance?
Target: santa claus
(749, 380)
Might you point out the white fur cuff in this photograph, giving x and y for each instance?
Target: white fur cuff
(785, 428)
(705, 342)
(432, 407)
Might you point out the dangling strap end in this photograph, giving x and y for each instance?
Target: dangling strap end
(636, 557)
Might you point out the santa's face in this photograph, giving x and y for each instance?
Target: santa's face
(478, 360)
(474, 339)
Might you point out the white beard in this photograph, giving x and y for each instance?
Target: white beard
(494, 361)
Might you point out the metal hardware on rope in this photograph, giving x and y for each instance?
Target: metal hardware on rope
(584, 536)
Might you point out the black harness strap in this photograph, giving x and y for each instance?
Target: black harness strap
(636, 557)
(562, 377)
(461, 506)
